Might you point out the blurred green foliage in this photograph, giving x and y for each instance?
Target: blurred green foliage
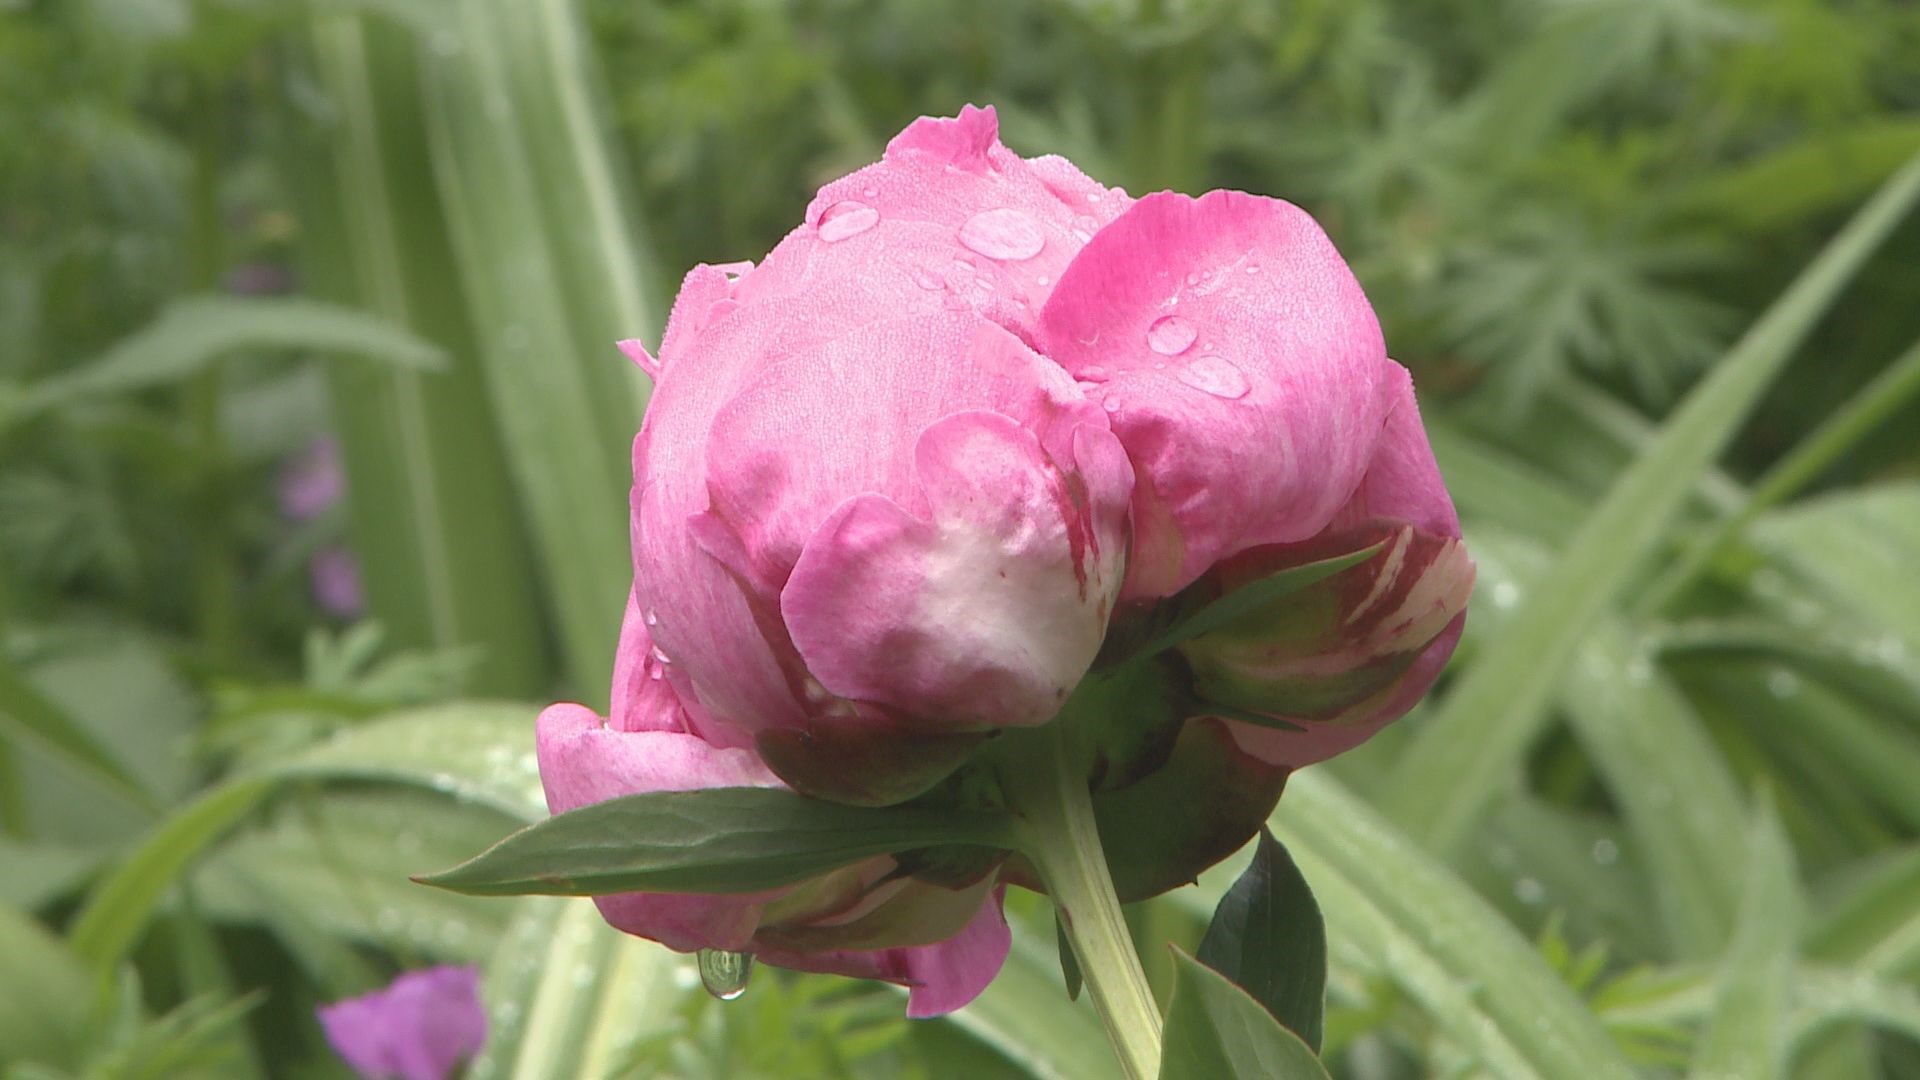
(1565, 211)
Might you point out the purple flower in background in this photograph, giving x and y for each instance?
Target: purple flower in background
(309, 486)
(423, 1026)
(313, 481)
(335, 575)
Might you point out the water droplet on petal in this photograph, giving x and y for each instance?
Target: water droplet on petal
(1095, 374)
(1043, 281)
(1253, 268)
(926, 279)
(1112, 404)
(1007, 234)
(1193, 277)
(1096, 196)
(846, 218)
(653, 618)
(1217, 376)
(870, 192)
(725, 974)
(660, 656)
(1171, 335)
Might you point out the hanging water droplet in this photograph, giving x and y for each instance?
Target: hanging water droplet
(725, 974)
(1006, 234)
(846, 218)
(1171, 335)
(660, 655)
(1216, 375)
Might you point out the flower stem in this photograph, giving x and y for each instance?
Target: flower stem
(1058, 834)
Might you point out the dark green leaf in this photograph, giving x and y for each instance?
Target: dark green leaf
(1268, 938)
(1253, 595)
(1069, 964)
(1216, 1032)
(722, 840)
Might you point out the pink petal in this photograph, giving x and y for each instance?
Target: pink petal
(582, 762)
(985, 614)
(859, 421)
(895, 248)
(941, 977)
(1246, 373)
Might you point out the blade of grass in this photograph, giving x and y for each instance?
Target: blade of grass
(1469, 749)
(1819, 451)
(1482, 983)
(442, 553)
(1669, 781)
(117, 910)
(1746, 1034)
(548, 377)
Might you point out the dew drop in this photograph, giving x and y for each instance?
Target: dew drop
(653, 617)
(1094, 374)
(1006, 234)
(926, 279)
(846, 218)
(870, 192)
(1253, 268)
(725, 974)
(660, 656)
(1193, 277)
(1112, 404)
(1043, 281)
(1171, 335)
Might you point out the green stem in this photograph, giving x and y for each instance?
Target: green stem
(1058, 833)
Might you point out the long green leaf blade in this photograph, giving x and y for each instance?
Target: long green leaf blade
(720, 840)
(1467, 752)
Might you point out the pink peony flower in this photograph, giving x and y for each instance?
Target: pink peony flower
(423, 1026)
(973, 427)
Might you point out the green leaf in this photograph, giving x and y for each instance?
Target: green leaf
(1466, 753)
(721, 840)
(1069, 964)
(337, 865)
(193, 332)
(1268, 939)
(1669, 780)
(507, 109)
(430, 500)
(479, 751)
(569, 996)
(28, 715)
(1431, 935)
(1251, 597)
(1215, 1032)
(1746, 1034)
(109, 923)
(46, 996)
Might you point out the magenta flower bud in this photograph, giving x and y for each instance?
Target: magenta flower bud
(423, 1026)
